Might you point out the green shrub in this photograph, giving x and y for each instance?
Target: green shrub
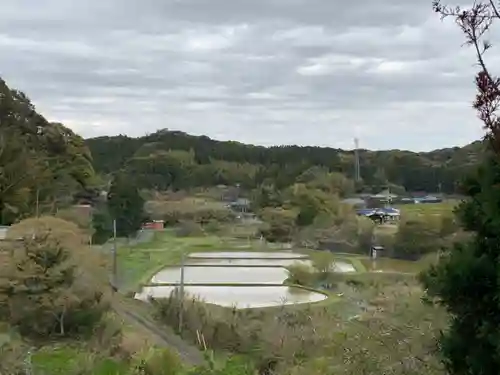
(301, 274)
(158, 362)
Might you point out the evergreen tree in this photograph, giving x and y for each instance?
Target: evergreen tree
(467, 279)
(125, 205)
(103, 225)
(50, 283)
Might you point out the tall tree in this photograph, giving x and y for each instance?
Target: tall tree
(16, 177)
(126, 205)
(102, 224)
(45, 288)
(467, 280)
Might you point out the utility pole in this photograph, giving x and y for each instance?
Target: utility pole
(181, 294)
(114, 253)
(37, 202)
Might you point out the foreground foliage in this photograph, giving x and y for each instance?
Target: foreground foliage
(466, 281)
(46, 286)
(392, 334)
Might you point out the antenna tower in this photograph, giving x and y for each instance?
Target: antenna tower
(357, 171)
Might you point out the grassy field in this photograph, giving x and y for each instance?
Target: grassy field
(396, 265)
(438, 209)
(105, 353)
(67, 359)
(60, 358)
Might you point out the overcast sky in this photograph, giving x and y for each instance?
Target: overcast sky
(309, 72)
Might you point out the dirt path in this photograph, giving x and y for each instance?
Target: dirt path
(163, 336)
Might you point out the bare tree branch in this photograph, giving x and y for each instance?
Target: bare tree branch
(475, 22)
(495, 9)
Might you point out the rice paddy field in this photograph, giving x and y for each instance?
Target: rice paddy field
(381, 301)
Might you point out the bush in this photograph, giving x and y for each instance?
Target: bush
(212, 227)
(322, 261)
(108, 334)
(50, 283)
(366, 229)
(12, 357)
(78, 215)
(393, 329)
(386, 240)
(279, 225)
(199, 211)
(416, 237)
(301, 274)
(157, 362)
(256, 333)
(189, 228)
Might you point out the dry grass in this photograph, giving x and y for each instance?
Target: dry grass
(393, 332)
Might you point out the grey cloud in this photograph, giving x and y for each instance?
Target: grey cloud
(264, 71)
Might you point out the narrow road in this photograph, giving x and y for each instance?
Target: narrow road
(163, 336)
(136, 313)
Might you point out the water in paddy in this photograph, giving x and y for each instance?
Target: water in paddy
(247, 262)
(223, 275)
(338, 266)
(248, 255)
(245, 268)
(240, 296)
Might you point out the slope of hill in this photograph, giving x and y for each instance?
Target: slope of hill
(42, 165)
(438, 170)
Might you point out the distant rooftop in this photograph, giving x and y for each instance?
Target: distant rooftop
(388, 211)
(353, 201)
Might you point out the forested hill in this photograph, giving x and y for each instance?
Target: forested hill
(47, 163)
(176, 159)
(43, 165)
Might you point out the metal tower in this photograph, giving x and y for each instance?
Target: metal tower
(357, 171)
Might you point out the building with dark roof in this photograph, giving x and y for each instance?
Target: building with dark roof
(380, 214)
